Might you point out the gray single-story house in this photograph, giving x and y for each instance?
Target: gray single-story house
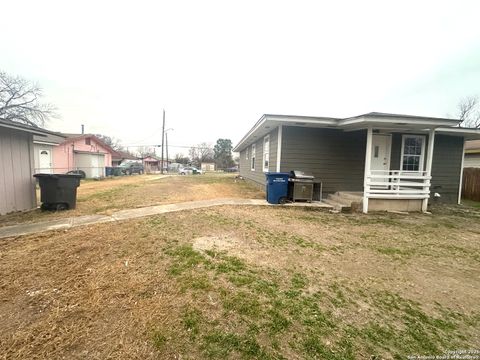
(395, 162)
(17, 166)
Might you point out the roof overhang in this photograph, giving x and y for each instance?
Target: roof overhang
(26, 128)
(269, 122)
(395, 122)
(391, 122)
(466, 133)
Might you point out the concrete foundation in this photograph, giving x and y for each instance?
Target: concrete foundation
(254, 183)
(407, 205)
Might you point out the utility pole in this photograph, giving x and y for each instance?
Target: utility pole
(166, 147)
(163, 135)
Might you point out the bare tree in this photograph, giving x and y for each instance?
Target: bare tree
(469, 112)
(144, 151)
(114, 143)
(201, 153)
(20, 100)
(182, 159)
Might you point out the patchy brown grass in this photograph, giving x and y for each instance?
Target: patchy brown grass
(245, 283)
(126, 192)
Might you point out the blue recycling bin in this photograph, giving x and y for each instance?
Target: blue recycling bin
(277, 187)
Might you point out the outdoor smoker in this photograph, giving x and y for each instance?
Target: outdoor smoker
(301, 186)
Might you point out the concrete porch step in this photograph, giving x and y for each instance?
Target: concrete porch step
(356, 196)
(340, 199)
(336, 205)
(343, 200)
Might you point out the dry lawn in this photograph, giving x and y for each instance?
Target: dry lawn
(266, 283)
(127, 192)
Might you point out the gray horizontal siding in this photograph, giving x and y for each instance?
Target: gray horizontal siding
(396, 151)
(258, 175)
(334, 157)
(273, 150)
(337, 159)
(17, 186)
(446, 166)
(447, 161)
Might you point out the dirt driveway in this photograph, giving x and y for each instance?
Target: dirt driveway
(264, 283)
(127, 192)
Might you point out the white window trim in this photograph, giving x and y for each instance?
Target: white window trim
(422, 155)
(246, 153)
(265, 169)
(253, 158)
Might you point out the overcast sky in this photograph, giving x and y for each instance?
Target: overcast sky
(217, 66)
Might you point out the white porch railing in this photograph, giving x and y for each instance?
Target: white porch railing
(397, 184)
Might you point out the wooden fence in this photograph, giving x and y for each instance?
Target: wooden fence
(471, 184)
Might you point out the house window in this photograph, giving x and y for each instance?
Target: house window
(246, 153)
(253, 157)
(266, 152)
(87, 141)
(413, 149)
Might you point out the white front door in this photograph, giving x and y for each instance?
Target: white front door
(45, 161)
(94, 165)
(380, 160)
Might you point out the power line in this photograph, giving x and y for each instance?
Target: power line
(175, 146)
(154, 133)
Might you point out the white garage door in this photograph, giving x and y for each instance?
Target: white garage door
(92, 164)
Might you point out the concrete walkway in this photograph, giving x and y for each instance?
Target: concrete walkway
(31, 228)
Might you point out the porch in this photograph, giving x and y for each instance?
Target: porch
(406, 188)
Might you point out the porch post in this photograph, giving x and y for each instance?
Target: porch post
(368, 160)
(279, 147)
(460, 186)
(428, 168)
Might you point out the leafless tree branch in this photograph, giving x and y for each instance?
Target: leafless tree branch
(469, 112)
(20, 100)
(201, 153)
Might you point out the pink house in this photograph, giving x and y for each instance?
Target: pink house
(82, 152)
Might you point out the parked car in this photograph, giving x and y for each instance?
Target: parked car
(132, 168)
(231, 169)
(190, 170)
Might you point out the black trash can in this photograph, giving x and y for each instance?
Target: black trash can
(58, 191)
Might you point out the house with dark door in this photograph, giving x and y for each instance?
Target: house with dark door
(391, 161)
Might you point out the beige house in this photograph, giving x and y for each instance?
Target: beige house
(472, 154)
(17, 185)
(208, 166)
